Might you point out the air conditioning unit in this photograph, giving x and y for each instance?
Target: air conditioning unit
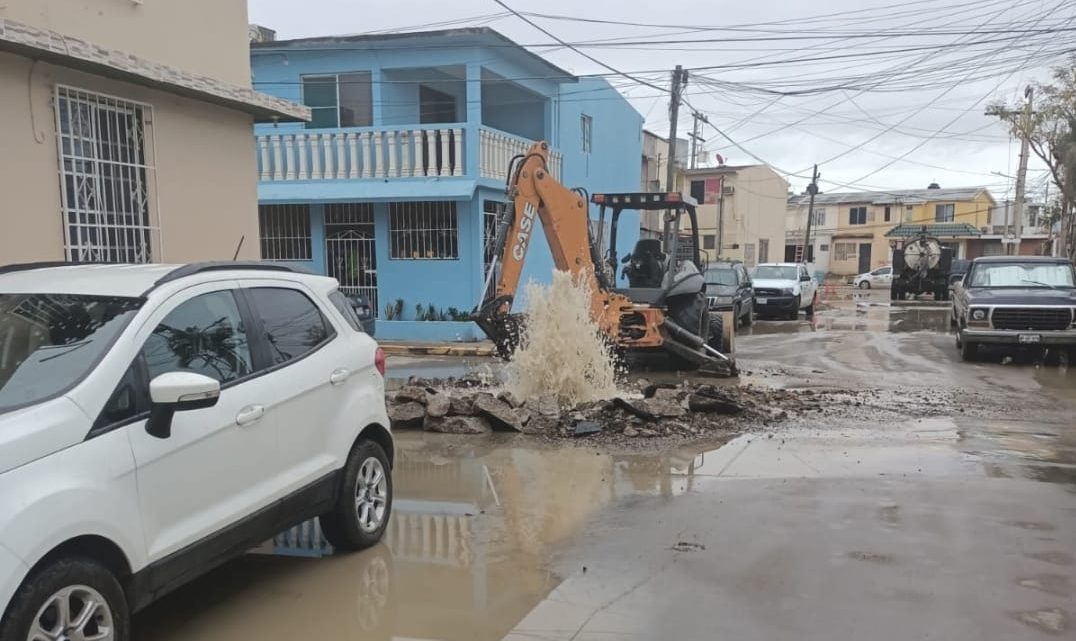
(985, 229)
(728, 190)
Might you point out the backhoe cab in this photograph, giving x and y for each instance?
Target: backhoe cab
(663, 307)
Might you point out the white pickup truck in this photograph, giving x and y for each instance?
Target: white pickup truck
(783, 289)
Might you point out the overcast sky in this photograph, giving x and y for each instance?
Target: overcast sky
(899, 102)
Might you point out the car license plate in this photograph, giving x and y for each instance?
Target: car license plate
(761, 301)
(1029, 338)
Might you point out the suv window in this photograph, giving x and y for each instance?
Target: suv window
(49, 341)
(204, 335)
(292, 322)
(346, 309)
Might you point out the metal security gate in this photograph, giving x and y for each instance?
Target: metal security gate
(349, 249)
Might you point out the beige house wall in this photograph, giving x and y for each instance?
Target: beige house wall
(204, 187)
(753, 213)
(207, 37)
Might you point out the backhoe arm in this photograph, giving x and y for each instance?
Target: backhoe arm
(563, 213)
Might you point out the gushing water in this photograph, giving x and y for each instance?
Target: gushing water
(561, 351)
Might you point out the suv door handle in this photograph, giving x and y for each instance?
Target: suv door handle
(249, 414)
(339, 376)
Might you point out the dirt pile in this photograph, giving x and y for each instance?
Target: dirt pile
(686, 410)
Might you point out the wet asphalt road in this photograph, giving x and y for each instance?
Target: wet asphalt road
(942, 525)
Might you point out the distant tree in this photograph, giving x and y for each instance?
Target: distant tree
(1051, 134)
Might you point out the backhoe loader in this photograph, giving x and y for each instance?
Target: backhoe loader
(663, 310)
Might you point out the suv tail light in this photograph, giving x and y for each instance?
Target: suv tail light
(379, 361)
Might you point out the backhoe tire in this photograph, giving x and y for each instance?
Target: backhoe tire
(716, 335)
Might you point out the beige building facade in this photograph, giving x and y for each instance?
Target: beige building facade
(741, 212)
(128, 131)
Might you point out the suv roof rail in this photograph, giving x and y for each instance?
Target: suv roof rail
(220, 265)
(43, 264)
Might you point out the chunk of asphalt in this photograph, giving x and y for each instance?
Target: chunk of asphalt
(586, 428)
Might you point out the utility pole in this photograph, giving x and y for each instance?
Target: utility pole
(1021, 172)
(812, 189)
(679, 78)
(695, 140)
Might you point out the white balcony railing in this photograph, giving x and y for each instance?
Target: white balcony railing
(362, 153)
(498, 148)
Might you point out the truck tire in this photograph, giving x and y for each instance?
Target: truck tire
(810, 308)
(750, 317)
(896, 292)
(969, 351)
(795, 313)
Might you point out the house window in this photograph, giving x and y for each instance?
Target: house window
(491, 210)
(424, 230)
(888, 215)
(819, 218)
(107, 175)
(857, 216)
(341, 100)
(587, 123)
(764, 250)
(944, 213)
(709, 241)
(285, 231)
(698, 190)
(908, 212)
(844, 251)
(823, 247)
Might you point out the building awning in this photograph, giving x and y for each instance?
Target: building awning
(937, 230)
(295, 191)
(67, 51)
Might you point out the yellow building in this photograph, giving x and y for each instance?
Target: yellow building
(859, 243)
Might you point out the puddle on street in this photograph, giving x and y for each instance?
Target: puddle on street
(465, 557)
(874, 316)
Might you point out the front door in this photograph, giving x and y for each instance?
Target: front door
(864, 258)
(220, 463)
(349, 249)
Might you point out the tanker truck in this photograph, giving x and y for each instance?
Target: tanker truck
(921, 266)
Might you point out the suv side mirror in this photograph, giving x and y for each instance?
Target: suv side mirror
(173, 392)
(805, 277)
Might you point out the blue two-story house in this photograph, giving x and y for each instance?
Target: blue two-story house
(393, 185)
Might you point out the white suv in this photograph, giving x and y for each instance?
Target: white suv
(157, 420)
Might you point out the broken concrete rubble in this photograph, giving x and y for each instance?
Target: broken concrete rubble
(684, 410)
(500, 414)
(408, 414)
(411, 394)
(438, 405)
(457, 425)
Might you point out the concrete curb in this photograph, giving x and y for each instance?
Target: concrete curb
(421, 349)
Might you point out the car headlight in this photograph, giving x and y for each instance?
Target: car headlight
(788, 291)
(723, 299)
(978, 314)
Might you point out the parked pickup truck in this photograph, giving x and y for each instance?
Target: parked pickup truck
(1015, 300)
(783, 289)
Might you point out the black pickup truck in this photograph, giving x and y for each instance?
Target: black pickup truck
(1015, 300)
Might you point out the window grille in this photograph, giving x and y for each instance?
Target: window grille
(424, 230)
(106, 176)
(285, 231)
(844, 251)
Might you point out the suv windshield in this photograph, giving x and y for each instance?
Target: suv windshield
(49, 341)
(721, 276)
(775, 272)
(1022, 275)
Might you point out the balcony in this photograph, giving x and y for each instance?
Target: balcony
(387, 153)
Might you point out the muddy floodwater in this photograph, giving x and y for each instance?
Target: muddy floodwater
(942, 506)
